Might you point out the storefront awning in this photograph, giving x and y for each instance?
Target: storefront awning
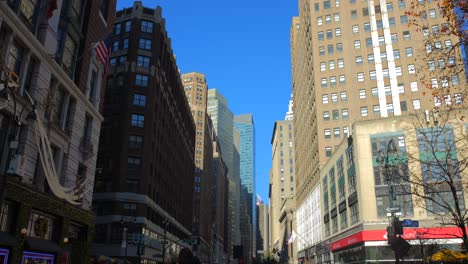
(7, 239)
(42, 245)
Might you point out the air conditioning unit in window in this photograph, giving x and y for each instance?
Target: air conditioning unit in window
(16, 165)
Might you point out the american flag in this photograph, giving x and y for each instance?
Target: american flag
(103, 54)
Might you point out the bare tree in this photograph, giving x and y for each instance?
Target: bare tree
(441, 66)
(436, 174)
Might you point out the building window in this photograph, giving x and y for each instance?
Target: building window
(15, 55)
(458, 98)
(139, 100)
(340, 63)
(133, 162)
(329, 34)
(374, 92)
(327, 133)
(144, 44)
(345, 131)
(360, 77)
(416, 104)
(373, 75)
(326, 115)
(125, 44)
(358, 59)
(355, 29)
(138, 120)
(344, 113)
(128, 25)
(344, 96)
(319, 21)
(396, 54)
(324, 82)
(391, 21)
(376, 109)
(342, 79)
(411, 69)
(320, 35)
(135, 142)
(353, 14)
(336, 17)
(389, 6)
(409, 51)
(406, 35)
(336, 132)
(326, 4)
(141, 80)
(321, 50)
(331, 65)
(69, 54)
(334, 97)
(325, 98)
(401, 4)
(394, 38)
(117, 29)
(316, 7)
(403, 19)
(328, 19)
(328, 151)
(323, 66)
(336, 115)
(362, 94)
(367, 27)
(339, 47)
(40, 226)
(455, 80)
(364, 111)
(448, 44)
(146, 26)
(414, 86)
(357, 44)
(365, 11)
(337, 32)
(143, 61)
(332, 80)
(122, 59)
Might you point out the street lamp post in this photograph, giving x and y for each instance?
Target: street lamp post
(165, 223)
(383, 161)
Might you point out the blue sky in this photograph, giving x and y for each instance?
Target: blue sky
(243, 48)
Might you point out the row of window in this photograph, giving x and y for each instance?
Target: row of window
(336, 132)
(328, 4)
(146, 26)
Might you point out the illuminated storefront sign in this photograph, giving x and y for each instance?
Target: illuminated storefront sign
(37, 258)
(3, 256)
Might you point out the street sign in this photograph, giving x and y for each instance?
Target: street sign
(410, 223)
(392, 209)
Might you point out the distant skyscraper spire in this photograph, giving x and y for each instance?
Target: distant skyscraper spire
(290, 114)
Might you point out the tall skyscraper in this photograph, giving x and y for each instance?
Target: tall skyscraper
(196, 90)
(144, 185)
(48, 152)
(245, 125)
(366, 63)
(282, 190)
(359, 60)
(222, 118)
(264, 227)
